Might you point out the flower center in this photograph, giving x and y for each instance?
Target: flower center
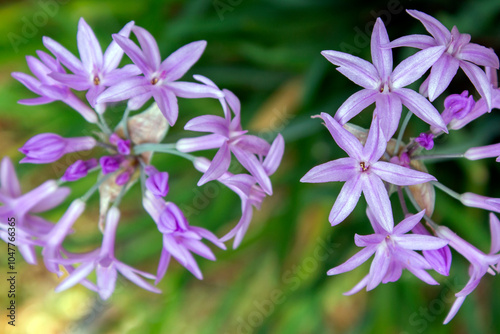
(364, 166)
(154, 81)
(97, 81)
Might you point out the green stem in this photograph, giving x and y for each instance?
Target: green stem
(447, 190)
(402, 131)
(437, 156)
(413, 201)
(96, 186)
(103, 125)
(124, 122)
(163, 148)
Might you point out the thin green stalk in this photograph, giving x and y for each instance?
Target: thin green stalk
(103, 125)
(437, 156)
(96, 186)
(447, 190)
(402, 131)
(163, 148)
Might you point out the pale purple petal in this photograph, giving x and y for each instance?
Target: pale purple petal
(433, 26)
(399, 175)
(129, 273)
(206, 234)
(9, 183)
(346, 140)
(149, 47)
(368, 240)
(419, 242)
(413, 67)
(356, 103)
(337, 170)
(479, 80)
(409, 223)
(381, 57)
(357, 287)
(162, 265)
(119, 75)
(346, 200)
(378, 200)
(219, 165)
(209, 123)
(135, 53)
(375, 142)
(76, 276)
(482, 152)
(413, 41)
(359, 70)
(454, 309)
(273, 158)
(355, 261)
(192, 90)
(125, 90)
(479, 55)
(201, 143)
(76, 82)
(421, 107)
(167, 103)
(179, 62)
(389, 110)
(106, 280)
(495, 234)
(50, 202)
(378, 268)
(442, 73)
(63, 55)
(89, 48)
(199, 248)
(250, 162)
(114, 53)
(253, 144)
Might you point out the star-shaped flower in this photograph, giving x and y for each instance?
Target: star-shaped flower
(159, 78)
(385, 86)
(457, 52)
(362, 172)
(394, 250)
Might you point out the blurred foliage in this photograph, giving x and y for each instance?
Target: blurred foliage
(268, 53)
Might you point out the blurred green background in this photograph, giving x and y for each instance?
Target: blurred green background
(268, 53)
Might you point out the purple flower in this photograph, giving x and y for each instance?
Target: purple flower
(122, 145)
(479, 201)
(157, 183)
(228, 136)
(393, 251)
(483, 152)
(363, 173)
(456, 52)
(159, 78)
(123, 177)
(49, 147)
(425, 140)
(245, 187)
(53, 240)
(480, 263)
(480, 108)
(439, 259)
(49, 89)
(384, 86)
(110, 164)
(457, 106)
(79, 169)
(179, 239)
(105, 264)
(25, 207)
(95, 71)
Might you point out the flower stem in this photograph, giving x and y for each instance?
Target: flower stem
(103, 125)
(413, 201)
(437, 156)
(124, 122)
(402, 201)
(96, 186)
(164, 148)
(447, 190)
(402, 131)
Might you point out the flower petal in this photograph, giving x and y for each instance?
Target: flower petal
(63, 55)
(218, 166)
(433, 26)
(479, 55)
(442, 73)
(378, 200)
(479, 80)
(346, 200)
(399, 175)
(421, 107)
(354, 68)
(89, 48)
(201, 143)
(167, 102)
(250, 162)
(337, 170)
(114, 53)
(274, 156)
(9, 183)
(179, 62)
(346, 140)
(381, 57)
(413, 67)
(413, 41)
(149, 47)
(354, 262)
(356, 103)
(209, 123)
